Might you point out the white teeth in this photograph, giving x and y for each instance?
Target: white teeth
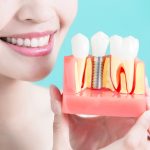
(124, 48)
(130, 48)
(46, 40)
(8, 39)
(20, 42)
(80, 46)
(41, 41)
(27, 42)
(99, 44)
(116, 45)
(34, 42)
(14, 41)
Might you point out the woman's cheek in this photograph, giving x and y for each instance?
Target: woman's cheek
(7, 11)
(67, 10)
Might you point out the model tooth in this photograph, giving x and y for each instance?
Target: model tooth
(130, 48)
(130, 51)
(99, 44)
(116, 52)
(116, 46)
(123, 51)
(80, 50)
(135, 45)
(80, 46)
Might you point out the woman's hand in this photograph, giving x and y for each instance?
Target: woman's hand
(75, 133)
(137, 138)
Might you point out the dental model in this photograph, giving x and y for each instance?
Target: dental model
(100, 84)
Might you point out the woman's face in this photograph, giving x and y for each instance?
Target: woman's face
(31, 33)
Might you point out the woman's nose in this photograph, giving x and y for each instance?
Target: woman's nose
(36, 11)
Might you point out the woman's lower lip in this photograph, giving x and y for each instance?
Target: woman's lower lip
(33, 52)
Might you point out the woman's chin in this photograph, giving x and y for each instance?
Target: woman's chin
(39, 75)
(35, 75)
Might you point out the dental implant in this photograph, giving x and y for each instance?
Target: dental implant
(97, 72)
(99, 44)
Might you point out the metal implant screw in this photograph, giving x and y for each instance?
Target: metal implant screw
(97, 72)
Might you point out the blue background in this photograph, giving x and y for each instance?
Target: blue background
(123, 17)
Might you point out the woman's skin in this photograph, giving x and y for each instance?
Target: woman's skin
(26, 120)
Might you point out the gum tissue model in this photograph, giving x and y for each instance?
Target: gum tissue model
(105, 85)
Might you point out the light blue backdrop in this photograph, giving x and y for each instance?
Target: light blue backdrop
(123, 17)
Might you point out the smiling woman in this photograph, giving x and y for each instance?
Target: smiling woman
(31, 34)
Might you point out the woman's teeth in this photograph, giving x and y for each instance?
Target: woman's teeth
(26, 42)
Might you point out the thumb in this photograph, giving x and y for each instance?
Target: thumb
(56, 100)
(144, 121)
(61, 121)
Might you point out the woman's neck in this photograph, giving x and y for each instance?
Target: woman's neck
(13, 94)
(10, 87)
(18, 96)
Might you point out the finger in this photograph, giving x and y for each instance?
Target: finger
(140, 128)
(138, 133)
(144, 121)
(61, 123)
(61, 136)
(56, 100)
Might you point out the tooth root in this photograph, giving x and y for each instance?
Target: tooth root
(123, 83)
(88, 73)
(129, 72)
(80, 67)
(78, 87)
(115, 75)
(139, 78)
(106, 79)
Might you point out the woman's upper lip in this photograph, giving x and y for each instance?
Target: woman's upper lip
(31, 34)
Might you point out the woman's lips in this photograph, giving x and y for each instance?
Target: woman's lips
(32, 51)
